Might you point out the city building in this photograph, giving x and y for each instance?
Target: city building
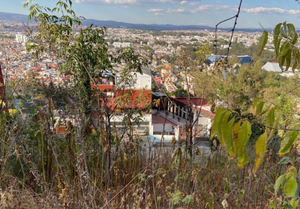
(172, 116)
(21, 38)
(121, 44)
(118, 94)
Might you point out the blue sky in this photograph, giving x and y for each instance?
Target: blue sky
(179, 12)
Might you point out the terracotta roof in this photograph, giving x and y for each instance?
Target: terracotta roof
(129, 99)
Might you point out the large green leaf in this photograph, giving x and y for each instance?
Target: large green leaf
(281, 60)
(276, 38)
(259, 108)
(223, 127)
(256, 101)
(292, 33)
(283, 30)
(273, 129)
(263, 40)
(288, 182)
(290, 186)
(270, 117)
(288, 59)
(227, 137)
(217, 121)
(235, 135)
(243, 138)
(294, 202)
(286, 144)
(260, 150)
(285, 54)
(279, 183)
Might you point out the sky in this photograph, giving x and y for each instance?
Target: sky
(254, 13)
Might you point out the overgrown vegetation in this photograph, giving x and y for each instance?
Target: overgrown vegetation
(96, 167)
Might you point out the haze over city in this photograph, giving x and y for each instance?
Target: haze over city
(178, 12)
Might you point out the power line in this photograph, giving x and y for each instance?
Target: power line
(232, 30)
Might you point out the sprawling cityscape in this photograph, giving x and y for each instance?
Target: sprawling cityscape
(141, 115)
(160, 48)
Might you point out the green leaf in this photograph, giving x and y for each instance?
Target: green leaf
(223, 127)
(294, 202)
(188, 199)
(288, 59)
(287, 142)
(290, 187)
(285, 160)
(176, 200)
(281, 60)
(276, 38)
(243, 138)
(295, 65)
(279, 183)
(227, 137)
(276, 30)
(256, 101)
(273, 129)
(235, 134)
(141, 176)
(292, 33)
(176, 197)
(297, 54)
(283, 30)
(284, 48)
(217, 121)
(260, 150)
(263, 40)
(270, 117)
(259, 108)
(276, 46)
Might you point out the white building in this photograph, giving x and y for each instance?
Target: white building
(21, 38)
(121, 44)
(274, 67)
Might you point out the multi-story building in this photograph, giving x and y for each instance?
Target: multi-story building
(173, 118)
(21, 38)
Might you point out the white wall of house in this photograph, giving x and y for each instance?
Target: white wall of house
(136, 81)
(120, 117)
(163, 128)
(143, 82)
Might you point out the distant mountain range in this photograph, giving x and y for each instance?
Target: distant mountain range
(115, 24)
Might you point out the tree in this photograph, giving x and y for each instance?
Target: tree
(83, 56)
(202, 53)
(234, 133)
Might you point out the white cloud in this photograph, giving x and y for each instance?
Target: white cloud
(158, 14)
(183, 2)
(208, 8)
(179, 10)
(198, 9)
(154, 10)
(271, 10)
